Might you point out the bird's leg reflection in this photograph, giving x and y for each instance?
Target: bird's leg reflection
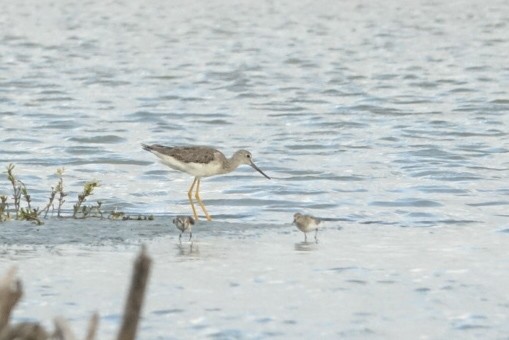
(306, 246)
(191, 250)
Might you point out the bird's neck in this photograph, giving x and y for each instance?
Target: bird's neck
(232, 164)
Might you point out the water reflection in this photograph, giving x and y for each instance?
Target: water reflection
(306, 246)
(188, 249)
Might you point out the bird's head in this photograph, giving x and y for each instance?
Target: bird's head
(296, 216)
(245, 157)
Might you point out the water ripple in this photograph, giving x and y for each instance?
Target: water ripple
(361, 129)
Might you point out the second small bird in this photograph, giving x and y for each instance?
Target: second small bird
(184, 223)
(306, 223)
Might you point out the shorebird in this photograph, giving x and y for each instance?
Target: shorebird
(306, 223)
(200, 161)
(184, 223)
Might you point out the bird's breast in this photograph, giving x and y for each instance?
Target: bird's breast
(307, 226)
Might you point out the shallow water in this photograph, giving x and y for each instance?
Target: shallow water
(259, 281)
(371, 116)
(388, 113)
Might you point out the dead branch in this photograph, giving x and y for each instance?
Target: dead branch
(11, 291)
(62, 330)
(93, 325)
(135, 297)
(24, 330)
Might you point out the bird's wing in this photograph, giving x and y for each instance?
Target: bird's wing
(186, 154)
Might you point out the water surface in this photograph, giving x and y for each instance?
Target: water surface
(388, 120)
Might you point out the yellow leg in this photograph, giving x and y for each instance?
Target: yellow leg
(197, 195)
(190, 195)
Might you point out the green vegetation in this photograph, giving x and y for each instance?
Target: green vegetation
(4, 214)
(20, 190)
(83, 211)
(58, 189)
(119, 215)
(23, 210)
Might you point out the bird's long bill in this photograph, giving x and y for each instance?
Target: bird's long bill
(258, 169)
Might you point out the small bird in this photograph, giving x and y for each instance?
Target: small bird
(306, 223)
(183, 224)
(200, 161)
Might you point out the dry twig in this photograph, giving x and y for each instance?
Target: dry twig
(135, 297)
(11, 291)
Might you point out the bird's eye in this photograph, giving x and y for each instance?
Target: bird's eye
(248, 156)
